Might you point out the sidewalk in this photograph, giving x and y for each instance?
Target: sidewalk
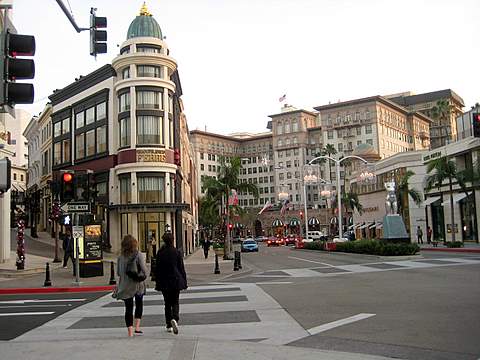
(468, 247)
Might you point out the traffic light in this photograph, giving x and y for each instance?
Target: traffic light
(68, 186)
(98, 38)
(230, 226)
(177, 160)
(13, 68)
(476, 124)
(301, 215)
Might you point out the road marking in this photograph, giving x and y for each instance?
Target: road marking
(331, 325)
(39, 301)
(312, 261)
(30, 306)
(273, 282)
(28, 313)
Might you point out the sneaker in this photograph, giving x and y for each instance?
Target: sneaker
(174, 326)
(169, 329)
(65, 267)
(138, 332)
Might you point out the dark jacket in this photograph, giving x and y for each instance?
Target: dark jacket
(68, 243)
(170, 272)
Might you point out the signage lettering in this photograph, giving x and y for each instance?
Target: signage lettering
(370, 209)
(432, 156)
(151, 156)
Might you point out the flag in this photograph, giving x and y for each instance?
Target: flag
(233, 198)
(267, 205)
(282, 98)
(285, 206)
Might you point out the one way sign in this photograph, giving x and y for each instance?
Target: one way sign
(76, 207)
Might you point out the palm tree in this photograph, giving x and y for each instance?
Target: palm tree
(227, 179)
(441, 112)
(329, 150)
(208, 214)
(443, 169)
(402, 192)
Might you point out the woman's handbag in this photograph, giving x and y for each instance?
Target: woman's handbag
(134, 270)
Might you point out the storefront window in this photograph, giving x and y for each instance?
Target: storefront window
(468, 218)
(125, 190)
(149, 130)
(124, 102)
(102, 139)
(151, 189)
(124, 126)
(147, 99)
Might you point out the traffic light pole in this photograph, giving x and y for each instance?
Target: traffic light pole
(70, 17)
(77, 253)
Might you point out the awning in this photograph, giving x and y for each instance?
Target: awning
(294, 222)
(372, 225)
(333, 220)
(456, 198)
(364, 226)
(313, 221)
(277, 223)
(431, 200)
(379, 225)
(350, 221)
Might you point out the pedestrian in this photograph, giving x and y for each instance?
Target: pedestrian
(206, 247)
(129, 288)
(429, 235)
(67, 249)
(419, 235)
(170, 279)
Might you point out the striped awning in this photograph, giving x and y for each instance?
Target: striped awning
(294, 222)
(333, 220)
(313, 221)
(239, 226)
(277, 223)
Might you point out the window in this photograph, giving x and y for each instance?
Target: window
(90, 116)
(368, 129)
(14, 176)
(79, 120)
(171, 133)
(367, 115)
(280, 143)
(125, 190)
(202, 167)
(124, 130)
(21, 177)
(124, 102)
(330, 134)
(280, 176)
(149, 130)
(295, 151)
(359, 142)
(149, 71)
(370, 141)
(295, 141)
(340, 147)
(66, 150)
(101, 111)
(170, 103)
(359, 130)
(201, 156)
(65, 126)
(90, 142)
(287, 127)
(280, 154)
(288, 164)
(80, 146)
(125, 50)
(101, 139)
(57, 153)
(357, 116)
(279, 128)
(126, 73)
(57, 129)
(148, 48)
(151, 189)
(295, 126)
(148, 99)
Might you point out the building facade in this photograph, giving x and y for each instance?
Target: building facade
(123, 125)
(442, 131)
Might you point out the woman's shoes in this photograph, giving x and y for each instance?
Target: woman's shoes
(138, 332)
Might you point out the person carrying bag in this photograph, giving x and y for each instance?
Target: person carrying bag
(132, 272)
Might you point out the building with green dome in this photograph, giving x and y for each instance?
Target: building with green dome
(125, 122)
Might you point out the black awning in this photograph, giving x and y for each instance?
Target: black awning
(160, 207)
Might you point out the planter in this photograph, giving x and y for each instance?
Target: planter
(219, 251)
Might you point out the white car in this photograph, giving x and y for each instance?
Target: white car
(314, 235)
(338, 240)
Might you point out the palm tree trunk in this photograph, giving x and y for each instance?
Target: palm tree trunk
(452, 212)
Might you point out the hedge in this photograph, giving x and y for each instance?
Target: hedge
(454, 244)
(372, 247)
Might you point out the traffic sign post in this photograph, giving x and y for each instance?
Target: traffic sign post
(76, 207)
(77, 232)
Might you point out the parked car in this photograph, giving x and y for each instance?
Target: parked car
(249, 245)
(315, 235)
(275, 241)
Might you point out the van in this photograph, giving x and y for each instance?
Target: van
(314, 235)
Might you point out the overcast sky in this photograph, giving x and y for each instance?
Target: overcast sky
(237, 57)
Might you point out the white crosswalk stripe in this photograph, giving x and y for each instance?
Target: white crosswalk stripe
(330, 270)
(266, 320)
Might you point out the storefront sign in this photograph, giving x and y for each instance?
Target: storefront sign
(431, 156)
(370, 209)
(449, 228)
(93, 242)
(151, 156)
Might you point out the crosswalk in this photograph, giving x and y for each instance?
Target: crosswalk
(326, 270)
(217, 311)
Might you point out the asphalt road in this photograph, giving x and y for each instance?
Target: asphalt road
(427, 311)
(23, 312)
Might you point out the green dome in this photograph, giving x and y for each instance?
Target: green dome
(144, 25)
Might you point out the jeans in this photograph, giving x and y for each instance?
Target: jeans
(66, 255)
(172, 306)
(129, 309)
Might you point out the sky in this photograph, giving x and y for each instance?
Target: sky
(236, 58)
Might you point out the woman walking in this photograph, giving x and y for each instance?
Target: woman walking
(128, 287)
(170, 279)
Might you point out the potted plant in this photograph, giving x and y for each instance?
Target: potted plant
(219, 248)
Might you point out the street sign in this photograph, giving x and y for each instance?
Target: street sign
(78, 234)
(76, 207)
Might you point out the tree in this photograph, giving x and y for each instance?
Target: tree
(209, 216)
(441, 170)
(441, 112)
(227, 179)
(329, 150)
(402, 192)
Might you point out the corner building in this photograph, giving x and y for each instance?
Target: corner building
(125, 123)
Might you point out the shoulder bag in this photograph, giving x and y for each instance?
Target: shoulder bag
(134, 270)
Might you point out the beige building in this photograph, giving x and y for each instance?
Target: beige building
(441, 132)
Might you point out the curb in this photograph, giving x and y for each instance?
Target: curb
(460, 250)
(49, 290)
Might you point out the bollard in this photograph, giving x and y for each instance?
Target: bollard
(235, 261)
(239, 259)
(153, 267)
(47, 282)
(217, 268)
(112, 274)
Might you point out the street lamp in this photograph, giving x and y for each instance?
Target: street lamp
(339, 195)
